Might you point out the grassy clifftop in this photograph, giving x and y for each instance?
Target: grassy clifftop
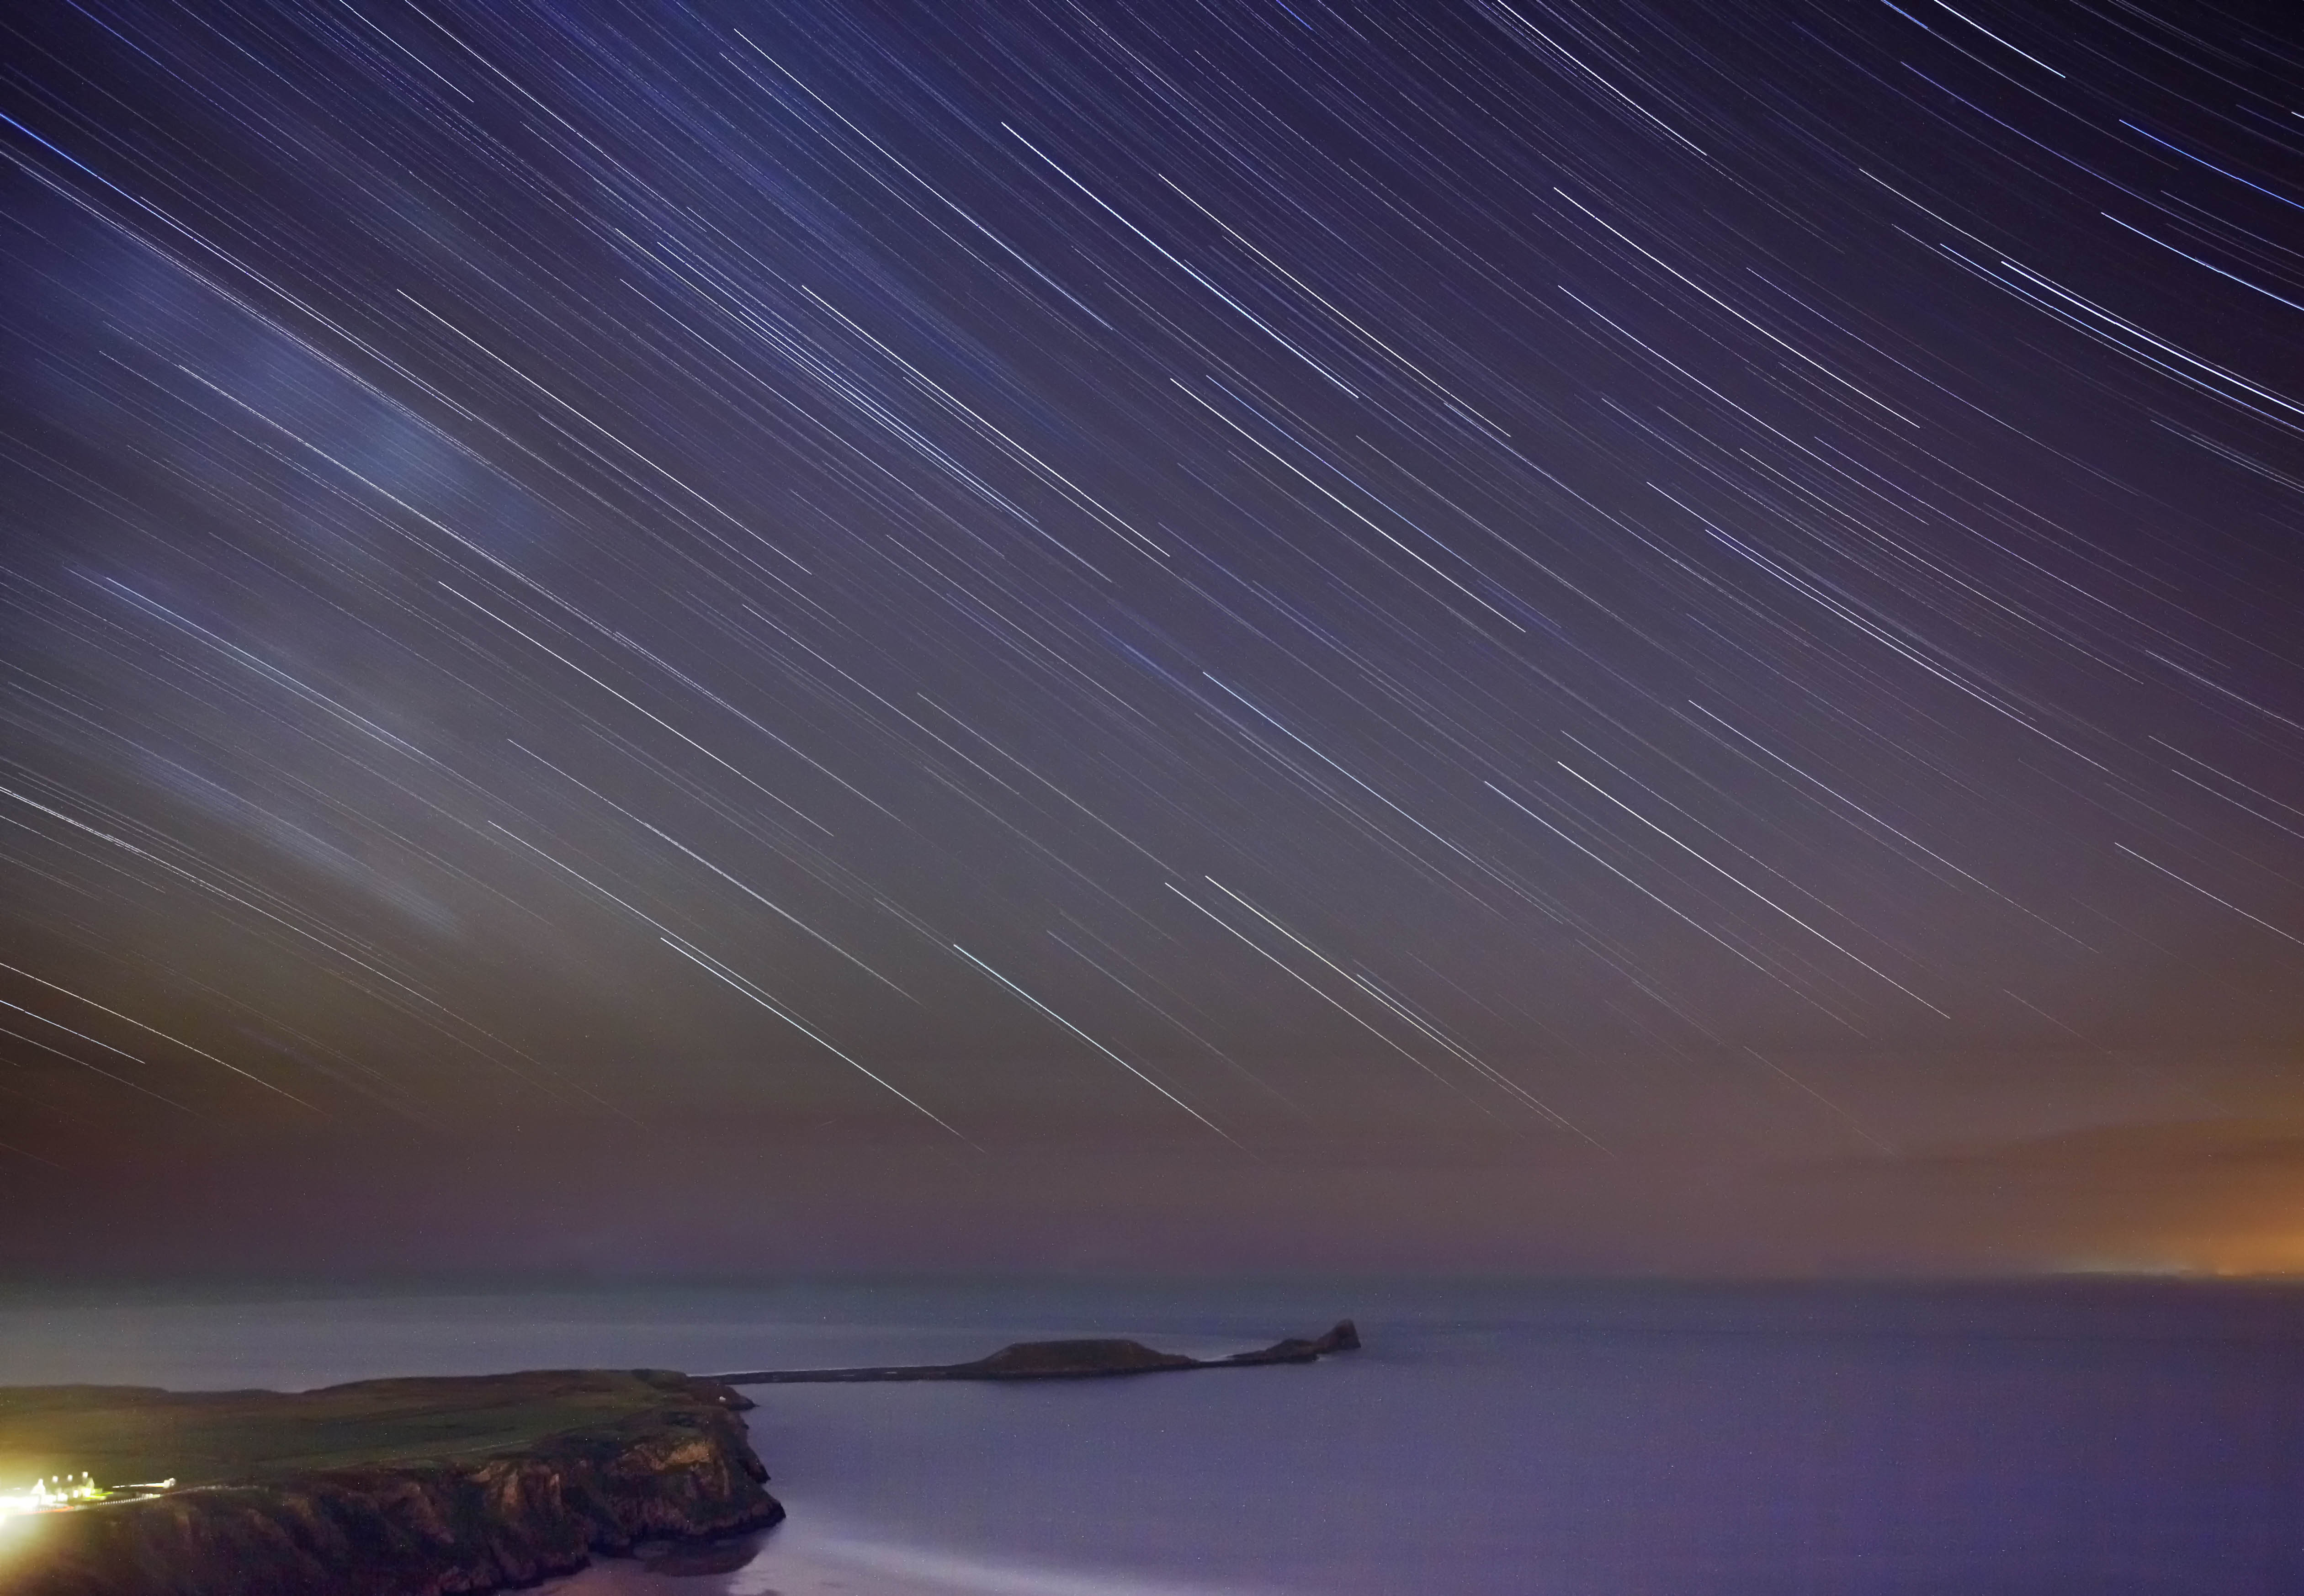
(123, 1433)
(386, 1488)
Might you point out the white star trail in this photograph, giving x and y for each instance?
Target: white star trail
(494, 493)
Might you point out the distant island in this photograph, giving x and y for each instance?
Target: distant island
(428, 1487)
(1062, 1360)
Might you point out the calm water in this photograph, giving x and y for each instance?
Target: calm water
(1588, 1441)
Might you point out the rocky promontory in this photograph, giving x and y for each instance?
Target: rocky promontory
(381, 1488)
(434, 1487)
(1063, 1360)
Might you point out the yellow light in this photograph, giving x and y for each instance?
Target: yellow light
(53, 1495)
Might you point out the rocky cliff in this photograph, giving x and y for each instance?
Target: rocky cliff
(668, 1461)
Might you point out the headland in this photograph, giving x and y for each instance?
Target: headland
(433, 1486)
(380, 1488)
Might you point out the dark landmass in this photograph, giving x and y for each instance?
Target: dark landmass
(1062, 1360)
(448, 1487)
(381, 1488)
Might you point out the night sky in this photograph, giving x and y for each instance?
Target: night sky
(1132, 625)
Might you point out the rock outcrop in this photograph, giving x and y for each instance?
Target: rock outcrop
(1058, 1360)
(1063, 1360)
(673, 1465)
(1344, 1337)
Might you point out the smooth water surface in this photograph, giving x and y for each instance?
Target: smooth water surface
(1585, 1440)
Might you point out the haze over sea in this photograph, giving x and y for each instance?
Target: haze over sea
(1606, 1439)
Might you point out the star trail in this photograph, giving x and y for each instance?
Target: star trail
(1244, 576)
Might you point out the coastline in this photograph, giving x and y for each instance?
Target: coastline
(656, 1456)
(1606, 1430)
(443, 1487)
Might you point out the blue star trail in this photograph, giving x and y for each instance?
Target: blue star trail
(1476, 567)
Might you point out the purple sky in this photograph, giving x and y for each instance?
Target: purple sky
(1601, 636)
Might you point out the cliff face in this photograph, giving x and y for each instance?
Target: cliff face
(418, 1528)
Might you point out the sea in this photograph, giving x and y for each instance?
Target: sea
(2096, 1436)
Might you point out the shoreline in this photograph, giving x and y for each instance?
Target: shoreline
(453, 1486)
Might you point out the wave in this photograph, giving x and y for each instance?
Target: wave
(789, 1561)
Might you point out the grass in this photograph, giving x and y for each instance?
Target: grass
(130, 1434)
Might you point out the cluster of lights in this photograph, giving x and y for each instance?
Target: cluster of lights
(63, 1494)
(50, 1495)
